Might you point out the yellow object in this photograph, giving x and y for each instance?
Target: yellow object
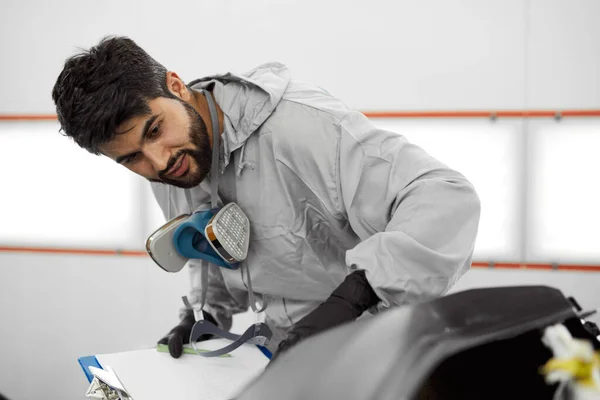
(581, 370)
(574, 364)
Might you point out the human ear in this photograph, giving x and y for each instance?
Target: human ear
(177, 87)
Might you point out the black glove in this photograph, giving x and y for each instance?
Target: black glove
(353, 297)
(180, 335)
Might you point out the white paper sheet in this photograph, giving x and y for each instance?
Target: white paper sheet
(150, 375)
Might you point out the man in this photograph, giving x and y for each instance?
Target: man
(345, 217)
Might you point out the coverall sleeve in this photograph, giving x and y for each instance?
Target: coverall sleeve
(416, 217)
(221, 302)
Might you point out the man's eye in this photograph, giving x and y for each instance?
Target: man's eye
(155, 132)
(132, 159)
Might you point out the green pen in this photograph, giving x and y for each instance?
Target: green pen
(163, 348)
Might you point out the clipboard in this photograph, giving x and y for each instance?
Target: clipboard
(152, 374)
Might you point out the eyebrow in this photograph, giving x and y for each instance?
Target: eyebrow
(145, 131)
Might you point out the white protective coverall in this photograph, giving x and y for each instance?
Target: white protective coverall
(326, 192)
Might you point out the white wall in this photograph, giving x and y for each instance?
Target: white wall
(387, 54)
(563, 64)
(397, 55)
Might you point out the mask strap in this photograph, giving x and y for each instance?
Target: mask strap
(169, 213)
(188, 198)
(251, 296)
(198, 315)
(214, 187)
(214, 200)
(258, 334)
(244, 267)
(216, 135)
(203, 283)
(214, 179)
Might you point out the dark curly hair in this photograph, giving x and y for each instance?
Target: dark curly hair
(103, 87)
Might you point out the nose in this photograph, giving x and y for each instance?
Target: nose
(158, 156)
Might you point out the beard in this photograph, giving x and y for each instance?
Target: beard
(200, 155)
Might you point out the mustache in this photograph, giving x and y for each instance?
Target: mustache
(172, 161)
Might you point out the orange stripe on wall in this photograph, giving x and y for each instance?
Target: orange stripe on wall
(87, 252)
(41, 117)
(483, 114)
(138, 253)
(537, 266)
(401, 114)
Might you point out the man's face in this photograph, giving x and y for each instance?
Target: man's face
(170, 145)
